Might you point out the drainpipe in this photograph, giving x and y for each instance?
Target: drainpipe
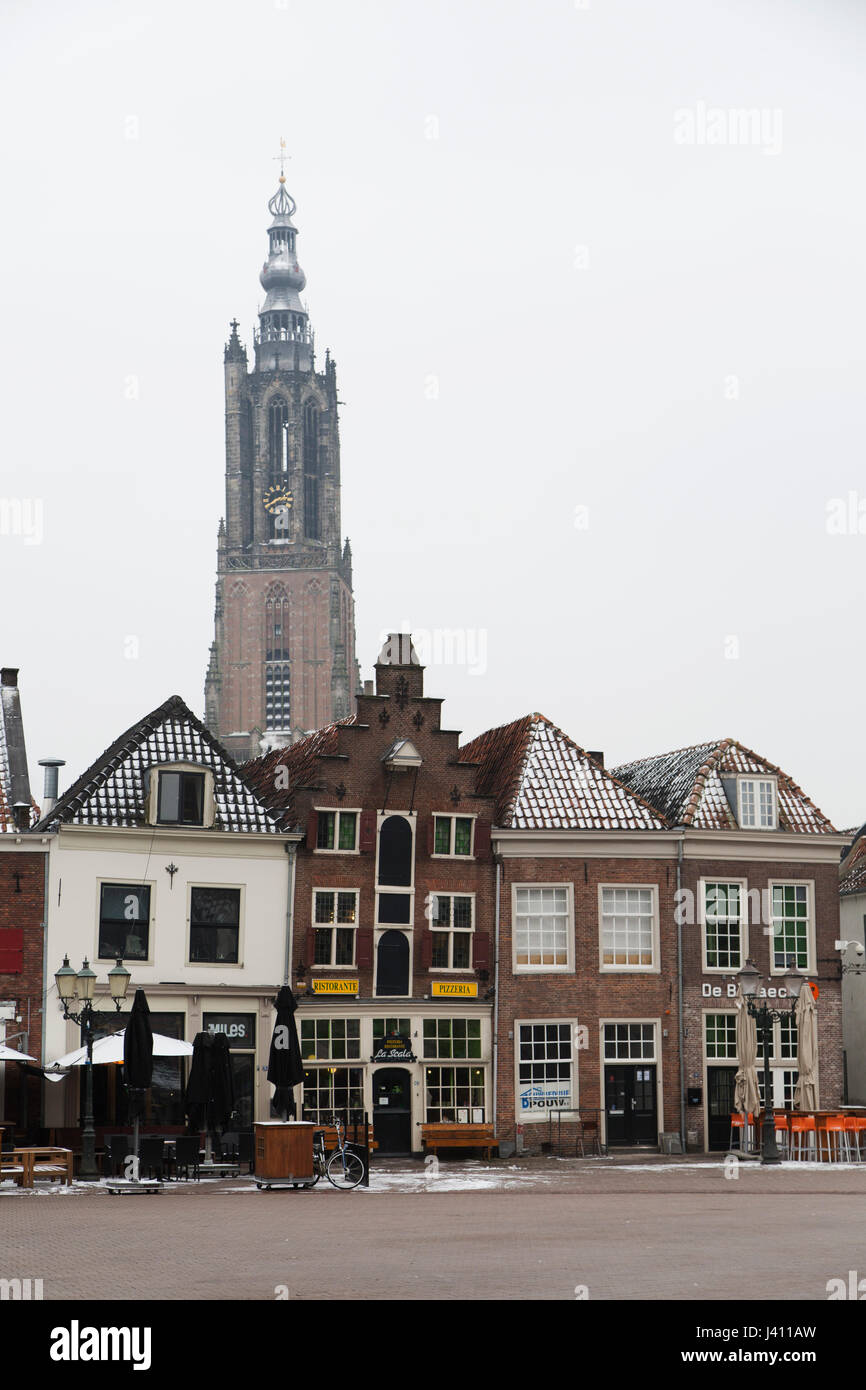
(496, 1001)
(680, 1023)
(291, 851)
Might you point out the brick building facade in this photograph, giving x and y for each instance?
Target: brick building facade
(22, 910)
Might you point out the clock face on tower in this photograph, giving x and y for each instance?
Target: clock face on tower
(277, 498)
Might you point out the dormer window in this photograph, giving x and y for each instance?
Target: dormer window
(757, 803)
(180, 797)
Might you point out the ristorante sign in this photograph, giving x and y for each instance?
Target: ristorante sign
(394, 1047)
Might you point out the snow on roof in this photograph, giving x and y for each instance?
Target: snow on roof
(542, 780)
(113, 790)
(686, 787)
(299, 763)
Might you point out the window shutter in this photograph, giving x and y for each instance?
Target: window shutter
(312, 829)
(482, 839)
(12, 951)
(426, 950)
(367, 840)
(481, 951)
(365, 948)
(310, 948)
(431, 834)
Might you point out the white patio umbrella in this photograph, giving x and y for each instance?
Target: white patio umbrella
(747, 1097)
(806, 1089)
(8, 1054)
(110, 1049)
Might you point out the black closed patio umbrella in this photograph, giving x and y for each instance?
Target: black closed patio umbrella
(210, 1089)
(285, 1065)
(138, 1060)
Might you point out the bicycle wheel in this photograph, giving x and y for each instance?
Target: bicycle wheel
(345, 1170)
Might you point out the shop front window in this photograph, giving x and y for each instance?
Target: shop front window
(163, 1102)
(454, 1095)
(332, 1091)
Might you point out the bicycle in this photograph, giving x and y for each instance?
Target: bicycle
(344, 1169)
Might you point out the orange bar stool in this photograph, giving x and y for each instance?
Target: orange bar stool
(855, 1128)
(741, 1125)
(803, 1136)
(781, 1122)
(838, 1140)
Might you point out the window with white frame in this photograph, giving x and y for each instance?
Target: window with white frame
(627, 928)
(629, 1042)
(792, 927)
(454, 1095)
(452, 835)
(452, 921)
(335, 916)
(330, 1039)
(720, 1037)
(757, 803)
(546, 1069)
(542, 928)
(723, 926)
(337, 831)
(452, 1037)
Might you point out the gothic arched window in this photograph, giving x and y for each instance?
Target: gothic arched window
(278, 439)
(276, 624)
(312, 520)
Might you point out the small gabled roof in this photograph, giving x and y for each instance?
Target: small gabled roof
(112, 792)
(275, 776)
(686, 787)
(542, 780)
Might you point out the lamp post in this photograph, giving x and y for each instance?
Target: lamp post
(764, 1016)
(72, 987)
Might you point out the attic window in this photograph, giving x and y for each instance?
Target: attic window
(757, 801)
(181, 798)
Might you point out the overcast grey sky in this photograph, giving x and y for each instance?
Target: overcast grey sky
(592, 276)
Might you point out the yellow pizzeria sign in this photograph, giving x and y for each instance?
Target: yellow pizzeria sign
(465, 991)
(335, 986)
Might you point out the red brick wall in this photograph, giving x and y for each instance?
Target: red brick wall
(587, 994)
(826, 906)
(24, 910)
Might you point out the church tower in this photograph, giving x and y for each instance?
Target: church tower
(283, 658)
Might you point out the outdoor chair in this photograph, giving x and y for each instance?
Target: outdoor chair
(742, 1126)
(781, 1126)
(229, 1143)
(856, 1128)
(117, 1149)
(151, 1156)
(838, 1140)
(246, 1149)
(802, 1137)
(186, 1155)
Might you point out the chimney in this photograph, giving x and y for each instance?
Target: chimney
(9, 676)
(368, 688)
(49, 794)
(596, 756)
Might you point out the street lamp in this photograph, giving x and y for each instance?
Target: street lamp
(79, 986)
(750, 982)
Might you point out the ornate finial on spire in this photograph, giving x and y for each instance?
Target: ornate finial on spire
(235, 350)
(282, 204)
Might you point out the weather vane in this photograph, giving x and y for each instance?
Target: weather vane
(282, 157)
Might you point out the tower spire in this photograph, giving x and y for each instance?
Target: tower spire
(284, 338)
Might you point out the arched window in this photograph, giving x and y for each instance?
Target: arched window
(392, 964)
(277, 624)
(278, 439)
(312, 522)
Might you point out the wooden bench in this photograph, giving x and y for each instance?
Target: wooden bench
(12, 1166)
(330, 1133)
(45, 1162)
(446, 1136)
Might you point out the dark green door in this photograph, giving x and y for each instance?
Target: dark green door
(720, 1105)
